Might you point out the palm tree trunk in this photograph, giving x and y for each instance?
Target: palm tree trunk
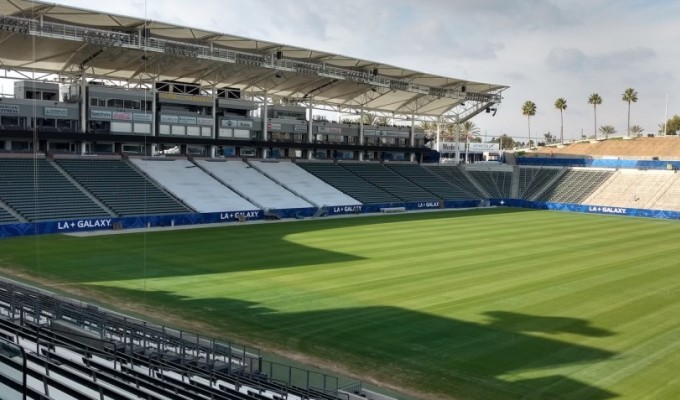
(629, 119)
(561, 128)
(529, 125)
(595, 126)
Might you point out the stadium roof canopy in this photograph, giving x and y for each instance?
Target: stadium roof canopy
(51, 38)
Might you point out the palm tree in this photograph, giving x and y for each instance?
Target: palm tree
(607, 130)
(636, 129)
(595, 100)
(630, 96)
(561, 105)
(529, 109)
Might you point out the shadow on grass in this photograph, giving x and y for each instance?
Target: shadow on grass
(163, 254)
(462, 359)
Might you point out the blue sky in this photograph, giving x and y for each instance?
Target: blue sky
(541, 49)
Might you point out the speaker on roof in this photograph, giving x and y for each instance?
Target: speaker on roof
(462, 88)
(279, 55)
(375, 71)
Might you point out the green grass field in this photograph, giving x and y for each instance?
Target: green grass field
(488, 304)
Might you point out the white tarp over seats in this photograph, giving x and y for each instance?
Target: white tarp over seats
(191, 184)
(250, 183)
(304, 184)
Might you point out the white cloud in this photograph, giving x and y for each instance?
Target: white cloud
(543, 49)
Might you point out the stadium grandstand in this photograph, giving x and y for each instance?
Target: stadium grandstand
(127, 123)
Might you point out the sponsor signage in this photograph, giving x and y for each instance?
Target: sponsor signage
(55, 112)
(9, 109)
(300, 128)
(122, 116)
(100, 114)
(204, 121)
(237, 123)
(170, 119)
(330, 129)
(183, 119)
(428, 204)
(185, 97)
(84, 224)
(483, 147)
(273, 127)
(141, 117)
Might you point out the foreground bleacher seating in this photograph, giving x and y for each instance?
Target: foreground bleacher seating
(69, 350)
(120, 187)
(36, 190)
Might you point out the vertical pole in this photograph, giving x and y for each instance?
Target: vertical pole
(361, 133)
(264, 122)
(83, 101)
(456, 131)
(412, 136)
(665, 117)
(310, 127)
(439, 127)
(153, 108)
(214, 114)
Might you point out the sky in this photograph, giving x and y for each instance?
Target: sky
(542, 49)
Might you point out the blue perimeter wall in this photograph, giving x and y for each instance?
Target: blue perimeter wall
(98, 224)
(589, 209)
(597, 163)
(110, 223)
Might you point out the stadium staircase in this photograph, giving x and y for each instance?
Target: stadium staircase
(533, 180)
(574, 186)
(389, 181)
(459, 179)
(121, 187)
(497, 184)
(351, 184)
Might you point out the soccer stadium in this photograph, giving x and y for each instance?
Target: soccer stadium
(177, 222)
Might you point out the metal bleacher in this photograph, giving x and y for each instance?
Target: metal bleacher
(428, 180)
(349, 183)
(457, 178)
(6, 217)
(496, 183)
(389, 181)
(532, 180)
(121, 188)
(574, 186)
(66, 349)
(36, 190)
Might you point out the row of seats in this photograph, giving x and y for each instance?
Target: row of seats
(74, 350)
(95, 188)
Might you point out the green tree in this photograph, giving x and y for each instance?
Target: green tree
(529, 109)
(506, 142)
(595, 100)
(630, 96)
(672, 126)
(469, 130)
(548, 138)
(607, 130)
(561, 104)
(636, 129)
